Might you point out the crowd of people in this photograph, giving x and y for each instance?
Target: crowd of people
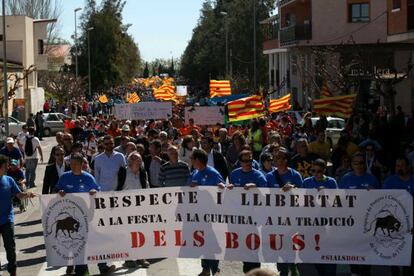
(97, 152)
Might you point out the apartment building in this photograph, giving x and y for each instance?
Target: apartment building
(25, 47)
(381, 27)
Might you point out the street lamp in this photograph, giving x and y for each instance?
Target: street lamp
(89, 60)
(223, 13)
(254, 46)
(5, 88)
(76, 43)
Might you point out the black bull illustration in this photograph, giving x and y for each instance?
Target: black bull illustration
(67, 225)
(388, 223)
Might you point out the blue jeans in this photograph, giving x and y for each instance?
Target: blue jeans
(7, 232)
(31, 165)
(210, 265)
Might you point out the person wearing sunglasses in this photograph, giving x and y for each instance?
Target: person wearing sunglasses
(205, 175)
(247, 177)
(319, 180)
(54, 171)
(359, 178)
(266, 163)
(286, 178)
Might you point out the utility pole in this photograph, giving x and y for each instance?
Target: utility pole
(5, 88)
(89, 61)
(76, 43)
(254, 47)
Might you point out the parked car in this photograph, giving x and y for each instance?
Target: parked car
(333, 131)
(15, 126)
(54, 122)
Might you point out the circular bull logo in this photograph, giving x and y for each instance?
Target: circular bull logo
(387, 224)
(66, 228)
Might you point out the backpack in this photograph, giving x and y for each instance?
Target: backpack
(28, 147)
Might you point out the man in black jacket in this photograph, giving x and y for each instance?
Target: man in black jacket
(153, 163)
(54, 171)
(215, 158)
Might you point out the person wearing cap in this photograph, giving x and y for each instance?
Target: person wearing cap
(11, 151)
(8, 190)
(17, 174)
(125, 131)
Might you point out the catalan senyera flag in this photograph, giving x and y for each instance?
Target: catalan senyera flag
(134, 98)
(165, 93)
(281, 104)
(220, 88)
(103, 99)
(325, 92)
(246, 108)
(339, 106)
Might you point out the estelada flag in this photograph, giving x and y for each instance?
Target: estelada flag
(165, 93)
(220, 88)
(103, 99)
(134, 98)
(281, 104)
(340, 106)
(245, 108)
(325, 92)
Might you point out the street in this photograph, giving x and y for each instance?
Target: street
(31, 254)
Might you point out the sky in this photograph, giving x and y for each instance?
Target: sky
(162, 28)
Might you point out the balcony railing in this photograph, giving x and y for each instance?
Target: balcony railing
(284, 2)
(295, 33)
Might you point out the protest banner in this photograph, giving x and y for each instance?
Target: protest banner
(256, 225)
(144, 111)
(205, 115)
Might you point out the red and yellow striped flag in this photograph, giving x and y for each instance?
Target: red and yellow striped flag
(245, 108)
(220, 88)
(279, 105)
(165, 93)
(103, 99)
(340, 106)
(325, 92)
(134, 98)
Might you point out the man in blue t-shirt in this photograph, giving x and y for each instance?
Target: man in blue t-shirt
(77, 181)
(8, 190)
(283, 176)
(204, 175)
(402, 179)
(247, 177)
(358, 178)
(319, 180)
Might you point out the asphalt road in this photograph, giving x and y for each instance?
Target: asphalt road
(31, 253)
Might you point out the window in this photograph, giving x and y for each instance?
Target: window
(40, 47)
(52, 117)
(396, 4)
(359, 12)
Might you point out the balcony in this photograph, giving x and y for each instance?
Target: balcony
(285, 2)
(293, 34)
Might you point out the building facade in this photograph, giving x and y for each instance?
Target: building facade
(25, 47)
(383, 28)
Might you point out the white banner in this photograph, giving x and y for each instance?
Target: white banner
(259, 225)
(181, 90)
(144, 111)
(205, 115)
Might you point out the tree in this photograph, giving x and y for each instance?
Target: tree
(115, 57)
(146, 71)
(39, 9)
(14, 82)
(64, 85)
(205, 55)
